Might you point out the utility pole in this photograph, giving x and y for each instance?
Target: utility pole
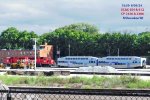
(69, 49)
(109, 51)
(118, 51)
(34, 53)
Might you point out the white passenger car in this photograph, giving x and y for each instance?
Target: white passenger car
(77, 61)
(122, 61)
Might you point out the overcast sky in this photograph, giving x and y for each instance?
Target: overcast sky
(43, 16)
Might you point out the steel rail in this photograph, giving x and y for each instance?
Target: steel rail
(67, 91)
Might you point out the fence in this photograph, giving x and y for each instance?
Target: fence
(18, 93)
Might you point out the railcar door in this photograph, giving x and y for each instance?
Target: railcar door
(97, 62)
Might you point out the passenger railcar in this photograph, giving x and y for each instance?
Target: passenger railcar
(122, 61)
(114, 61)
(77, 61)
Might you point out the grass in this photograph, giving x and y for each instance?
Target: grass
(95, 82)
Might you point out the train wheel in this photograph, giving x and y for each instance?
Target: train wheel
(40, 65)
(144, 66)
(59, 66)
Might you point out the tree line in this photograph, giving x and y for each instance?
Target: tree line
(80, 39)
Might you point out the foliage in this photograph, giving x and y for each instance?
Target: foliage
(12, 38)
(82, 39)
(85, 43)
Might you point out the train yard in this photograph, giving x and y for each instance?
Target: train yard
(22, 62)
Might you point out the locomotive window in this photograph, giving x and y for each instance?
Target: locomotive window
(42, 47)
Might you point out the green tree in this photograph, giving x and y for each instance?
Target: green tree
(12, 38)
(143, 46)
(78, 36)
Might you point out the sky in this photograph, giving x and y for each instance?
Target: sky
(43, 16)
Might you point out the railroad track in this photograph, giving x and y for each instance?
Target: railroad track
(114, 92)
(32, 93)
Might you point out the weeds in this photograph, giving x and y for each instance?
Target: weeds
(77, 82)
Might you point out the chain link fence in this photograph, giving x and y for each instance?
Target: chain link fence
(17, 93)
